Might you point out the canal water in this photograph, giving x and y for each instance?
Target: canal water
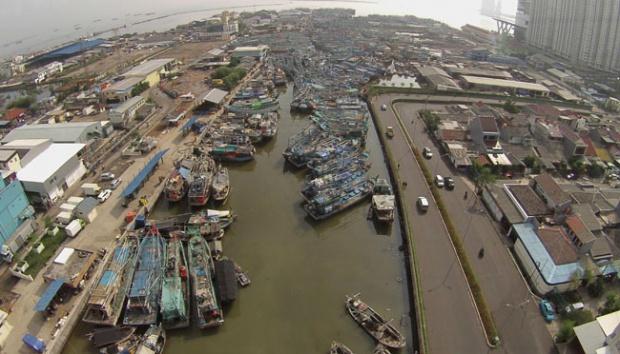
(300, 270)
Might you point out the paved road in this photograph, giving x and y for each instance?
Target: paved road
(452, 321)
(521, 328)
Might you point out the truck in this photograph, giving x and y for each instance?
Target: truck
(73, 228)
(91, 189)
(64, 217)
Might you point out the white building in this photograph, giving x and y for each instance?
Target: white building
(601, 335)
(258, 52)
(49, 174)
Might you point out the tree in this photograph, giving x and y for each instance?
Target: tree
(221, 72)
(566, 332)
(529, 161)
(612, 304)
(595, 170)
(234, 61)
(595, 288)
(580, 317)
(22, 102)
(139, 88)
(431, 120)
(510, 107)
(482, 175)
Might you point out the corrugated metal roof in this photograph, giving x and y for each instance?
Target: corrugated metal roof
(58, 133)
(48, 295)
(141, 176)
(148, 67)
(48, 162)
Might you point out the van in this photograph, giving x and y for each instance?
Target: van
(574, 307)
(439, 182)
(389, 131)
(422, 204)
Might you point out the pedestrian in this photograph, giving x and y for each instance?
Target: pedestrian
(404, 184)
(398, 166)
(465, 196)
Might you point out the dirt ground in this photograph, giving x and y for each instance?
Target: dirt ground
(189, 51)
(115, 62)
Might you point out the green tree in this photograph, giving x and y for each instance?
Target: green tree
(510, 107)
(221, 72)
(139, 88)
(566, 332)
(596, 288)
(580, 317)
(234, 61)
(482, 175)
(430, 119)
(612, 304)
(529, 161)
(22, 102)
(595, 170)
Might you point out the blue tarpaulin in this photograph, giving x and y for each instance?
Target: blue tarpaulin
(189, 123)
(48, 295)
(137, 181)
(34, 342)
(107, 278)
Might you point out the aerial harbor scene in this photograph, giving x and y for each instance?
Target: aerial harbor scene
(310, 177)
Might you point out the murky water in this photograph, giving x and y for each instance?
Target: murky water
(300, 270)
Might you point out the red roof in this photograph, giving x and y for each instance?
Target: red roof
(14, 113)
(590, 148)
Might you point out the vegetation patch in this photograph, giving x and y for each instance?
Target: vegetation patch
(230, 76)
(139, 88)
(36, 261)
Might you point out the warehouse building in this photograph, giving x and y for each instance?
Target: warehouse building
(16, 222)
(78, 132)
(120, 115)
(499, 85)
(148, 72)
(48, 175)
(257, 52)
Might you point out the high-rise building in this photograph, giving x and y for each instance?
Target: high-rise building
(586, 32)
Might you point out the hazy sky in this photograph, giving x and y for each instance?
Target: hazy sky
(36, 24)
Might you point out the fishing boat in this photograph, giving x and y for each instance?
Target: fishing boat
(201, 267)
(175, 305)
(199, 224)
(145, 292)
(153, 341)
(220, 187)
(345, 162)
(176, 187)
(105, 301)
(200, 186)
(339, 348)
(383, 201)
(315, 186)
(107, 336)
(374, 324)
(335, 200)
(127, 346)
(381, 349)
(226, 281)
(262, 104)
(232, 153)
(242, 277)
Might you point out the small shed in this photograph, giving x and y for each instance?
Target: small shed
(87, 209)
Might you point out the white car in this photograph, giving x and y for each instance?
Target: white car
(422, 203)
(427, 153)
(439, 181)
(107, 176)
(384, 107)
(103, 196)
(115, 183)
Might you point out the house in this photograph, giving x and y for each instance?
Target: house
(501, 205)
(516, 134)
(551, 193)
(9, 161)
(574, 146)
(579, 234)
(149, 72)
(451, 130)
(16, 217)
(458, 155)
(549, 260)
(485, 133)
(600, 336)
(49, 174)
(14, 114)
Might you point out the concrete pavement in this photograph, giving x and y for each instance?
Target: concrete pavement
(452, 322)
(521, 328)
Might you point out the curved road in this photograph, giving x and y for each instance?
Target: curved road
(452, 322)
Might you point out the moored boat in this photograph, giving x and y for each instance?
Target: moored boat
(381, 349)
(339, 348)
(107, 336)
(208, 311)
(383, 201)
(145, 292)
(176, 186)
(373, 323)
(106, 299)
(232, 153)
(200, 186)
(335, 200)
(220, 187)
(153, 341)
(175, 307)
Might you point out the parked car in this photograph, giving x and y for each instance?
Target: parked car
(427, 153)
(115, 183)
(107, 176)
(547, 310)
(439, 181)
(574, 307)
(103, 196)
(449, 181)
(422, 204)
(389, 131)
(384, 107)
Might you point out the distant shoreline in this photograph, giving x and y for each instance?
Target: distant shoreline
(353, 1)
